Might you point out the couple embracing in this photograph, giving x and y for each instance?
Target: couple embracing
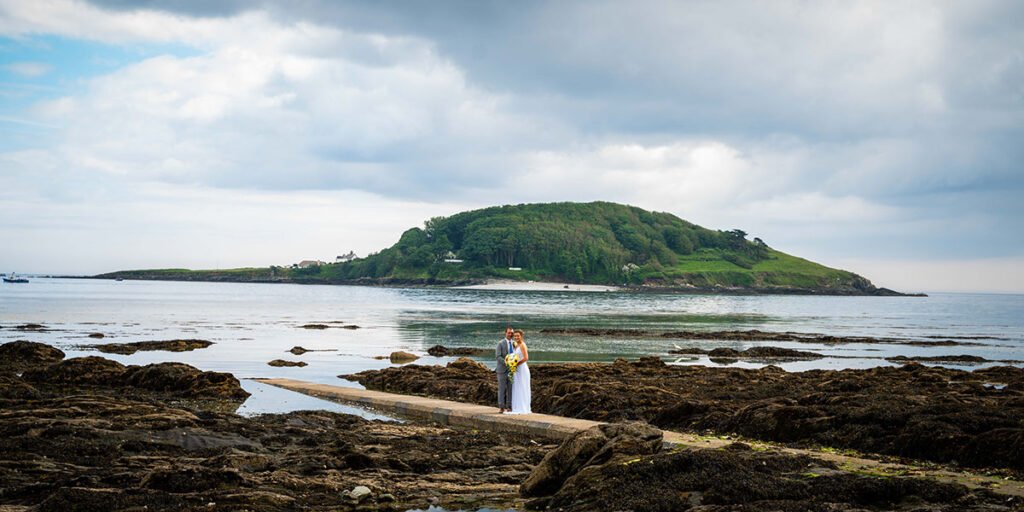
(513, 373)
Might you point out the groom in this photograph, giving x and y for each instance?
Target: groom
(503, 349)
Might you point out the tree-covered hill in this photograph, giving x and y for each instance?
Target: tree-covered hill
(596, 243)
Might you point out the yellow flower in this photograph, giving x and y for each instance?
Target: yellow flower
(512, 364)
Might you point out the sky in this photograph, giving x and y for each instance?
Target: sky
(886, 138)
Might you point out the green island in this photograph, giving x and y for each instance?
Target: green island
(596, 243)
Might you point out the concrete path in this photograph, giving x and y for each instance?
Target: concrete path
(557, 428)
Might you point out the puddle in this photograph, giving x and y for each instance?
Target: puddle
(267, 399)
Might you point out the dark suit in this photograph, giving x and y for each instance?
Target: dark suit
(501, 371)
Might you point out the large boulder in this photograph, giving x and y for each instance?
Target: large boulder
(185, 381)
(400, 357)
(468, 365)
(594, 446)
(177, 379)
(21, 355)
(91, 371)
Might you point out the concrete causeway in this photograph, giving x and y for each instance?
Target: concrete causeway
(557, 428)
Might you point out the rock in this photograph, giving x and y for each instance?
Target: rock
(360, 493)
(13, 387)
(66, 499)
(90, 371)
(688, 351)
(752, 353)
(724, 352)
(190, 479)
(177, 379)
(400, 357)
(185, 381)
(442, 351)
(301, 350)
(30, 327)
(962, 358)
(351, 327)
(19, 355)
(110, 448)
(740, 479)
(282, 362)
(166, 345)
(590, 447)
(749, 335)
(931, 413)
(97, 335)
(779, 353)
(465, 363)
(315, 326)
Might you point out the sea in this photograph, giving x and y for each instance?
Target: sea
(252, 324)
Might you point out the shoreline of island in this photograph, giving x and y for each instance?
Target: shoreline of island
(495, 284)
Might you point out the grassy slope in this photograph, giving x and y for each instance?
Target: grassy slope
(707, 268)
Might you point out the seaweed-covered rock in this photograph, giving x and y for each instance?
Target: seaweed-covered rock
(742, 479)
(185, 381)
(20, 355)
(13, 387)
(750, 353)
(914, 411)
(191, 479)
(89, 371)
(590, 447)
(403, 357)
(164, 345)
(283, 363)
(442, 351)
(175, 379)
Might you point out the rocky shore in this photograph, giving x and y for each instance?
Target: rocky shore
(90, 434)
(624, 467)
(973, 419)
(755, 335)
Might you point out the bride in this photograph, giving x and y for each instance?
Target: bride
(521, 381)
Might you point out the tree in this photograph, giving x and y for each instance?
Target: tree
(431, 226)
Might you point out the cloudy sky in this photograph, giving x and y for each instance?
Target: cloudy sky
(882, 137)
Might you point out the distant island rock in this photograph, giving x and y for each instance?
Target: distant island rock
(597, 243)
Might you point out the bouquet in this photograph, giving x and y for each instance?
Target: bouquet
(511, 364)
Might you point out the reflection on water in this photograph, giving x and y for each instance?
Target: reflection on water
(266, 399)
(252, 324)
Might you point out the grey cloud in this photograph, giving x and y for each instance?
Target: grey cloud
(919, 105)
(198, 8)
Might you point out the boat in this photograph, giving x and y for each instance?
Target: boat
(14, 279)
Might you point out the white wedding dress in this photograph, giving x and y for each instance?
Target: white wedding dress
(521, 388)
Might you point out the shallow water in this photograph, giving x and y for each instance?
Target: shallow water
(252, 324)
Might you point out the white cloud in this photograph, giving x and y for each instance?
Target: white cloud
(162, 225)
(728, 118)
(299, 106)
(28, 69)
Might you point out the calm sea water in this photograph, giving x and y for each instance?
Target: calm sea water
(252, 324)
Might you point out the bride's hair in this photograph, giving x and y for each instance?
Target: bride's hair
(518, 333)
